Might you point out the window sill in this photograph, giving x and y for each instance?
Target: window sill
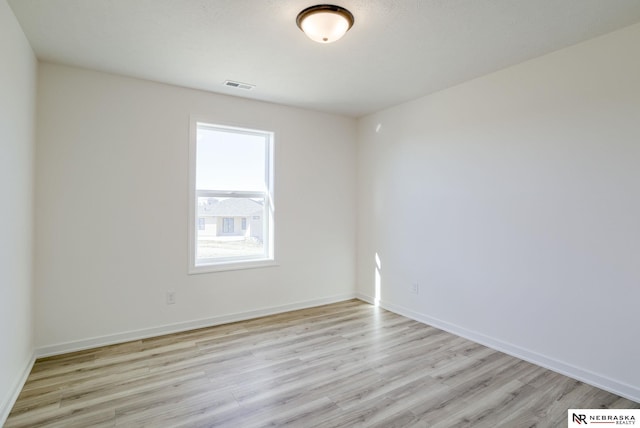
(227, 266)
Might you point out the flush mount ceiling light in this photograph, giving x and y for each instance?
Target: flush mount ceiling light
(325, 23)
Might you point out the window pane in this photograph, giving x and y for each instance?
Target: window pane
(229, 160)
(233, 227)
(231, 203)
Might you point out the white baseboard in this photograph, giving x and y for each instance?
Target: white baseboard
(94, 342)
(619, 388)
(7, 405)
(366, 298)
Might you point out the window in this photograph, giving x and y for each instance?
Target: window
(227, 225)
(231, 198)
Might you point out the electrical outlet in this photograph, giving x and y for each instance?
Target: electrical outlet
(415, 288)
(171, 297)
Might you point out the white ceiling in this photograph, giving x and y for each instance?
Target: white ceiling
(397, 50)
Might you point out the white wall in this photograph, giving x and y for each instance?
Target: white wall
(17, 118)
(112, 159)
(514, 201)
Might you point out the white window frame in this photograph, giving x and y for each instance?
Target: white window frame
(231, 263)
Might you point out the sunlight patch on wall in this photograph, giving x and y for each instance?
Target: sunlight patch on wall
(378, 282)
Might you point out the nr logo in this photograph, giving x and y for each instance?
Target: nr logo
(580, 419)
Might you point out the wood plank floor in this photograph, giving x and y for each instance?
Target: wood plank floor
(341, 365)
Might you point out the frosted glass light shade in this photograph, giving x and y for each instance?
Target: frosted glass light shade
(325, 23)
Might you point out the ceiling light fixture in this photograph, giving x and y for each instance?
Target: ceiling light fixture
(325, 23)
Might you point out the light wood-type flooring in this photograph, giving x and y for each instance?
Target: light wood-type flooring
(341, 365)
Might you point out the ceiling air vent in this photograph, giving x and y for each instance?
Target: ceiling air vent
(239, 85)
